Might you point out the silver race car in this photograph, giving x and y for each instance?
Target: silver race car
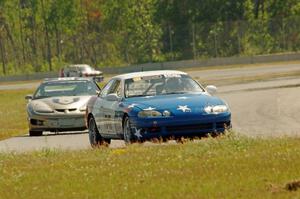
(59, 104)
(81, 70)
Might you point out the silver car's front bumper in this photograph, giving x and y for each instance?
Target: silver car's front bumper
(56, 122)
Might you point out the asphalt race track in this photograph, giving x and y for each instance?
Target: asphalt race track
(264, 109)
(267, 113)
(207, 74)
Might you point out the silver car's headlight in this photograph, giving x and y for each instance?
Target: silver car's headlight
(43, 109)
(216, 109)
(149, 113)
(30, 109)
(83, 108)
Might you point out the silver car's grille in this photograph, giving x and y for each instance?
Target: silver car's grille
(66, 110)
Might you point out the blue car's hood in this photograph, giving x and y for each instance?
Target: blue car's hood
(175, 102)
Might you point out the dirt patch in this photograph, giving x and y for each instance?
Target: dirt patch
(293, 186)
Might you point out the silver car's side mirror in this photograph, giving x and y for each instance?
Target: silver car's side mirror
(28, 97)
(112, 97)
(211, 89)
(99, 79)
(98, 92)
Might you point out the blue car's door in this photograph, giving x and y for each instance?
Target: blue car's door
(108, 108)
(107, 115)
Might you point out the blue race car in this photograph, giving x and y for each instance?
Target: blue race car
(155, 104)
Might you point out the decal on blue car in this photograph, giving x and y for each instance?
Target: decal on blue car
(184, 108)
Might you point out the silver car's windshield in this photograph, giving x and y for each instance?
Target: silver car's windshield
(161, 85)
(65, 88)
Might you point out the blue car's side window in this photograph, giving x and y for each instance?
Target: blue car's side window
(106, 89)
(114, 86)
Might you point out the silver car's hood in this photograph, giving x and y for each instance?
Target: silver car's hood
(65, 102)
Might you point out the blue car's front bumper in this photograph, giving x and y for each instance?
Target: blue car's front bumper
(183, 126)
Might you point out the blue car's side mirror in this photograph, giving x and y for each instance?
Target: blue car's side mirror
(112, 97)
(211, 89)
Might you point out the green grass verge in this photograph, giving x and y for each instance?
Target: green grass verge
(20, 82)
(241, 66)
(223, 167)
(13, 115)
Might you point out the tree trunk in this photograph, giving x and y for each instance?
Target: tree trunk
(58, 47)
(21, 33)
(16, 53)
(47, 38)
(3, 57)
(75, 50)
(33, 38)
(95, 62)
(259, 4)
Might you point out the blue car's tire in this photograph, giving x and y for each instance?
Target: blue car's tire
(95, 138)
(128, 135)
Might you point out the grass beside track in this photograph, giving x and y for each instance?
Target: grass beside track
(13, 115)
(223, 167)
(241, 66)
(19, 82)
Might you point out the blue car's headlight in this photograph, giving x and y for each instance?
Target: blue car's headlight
(166, 113)
(216, 109)
(154, 113)
(149, 113)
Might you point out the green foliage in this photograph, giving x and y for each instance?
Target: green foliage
(133, 22)
(39, 35)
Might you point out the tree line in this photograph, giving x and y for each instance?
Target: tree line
(44, 35)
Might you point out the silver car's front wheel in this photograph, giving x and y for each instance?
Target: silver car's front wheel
(94, 136)
(35, 133)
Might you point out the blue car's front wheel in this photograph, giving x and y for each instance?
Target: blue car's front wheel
(127, 131)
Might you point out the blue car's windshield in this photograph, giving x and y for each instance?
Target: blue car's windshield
(161, 85)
